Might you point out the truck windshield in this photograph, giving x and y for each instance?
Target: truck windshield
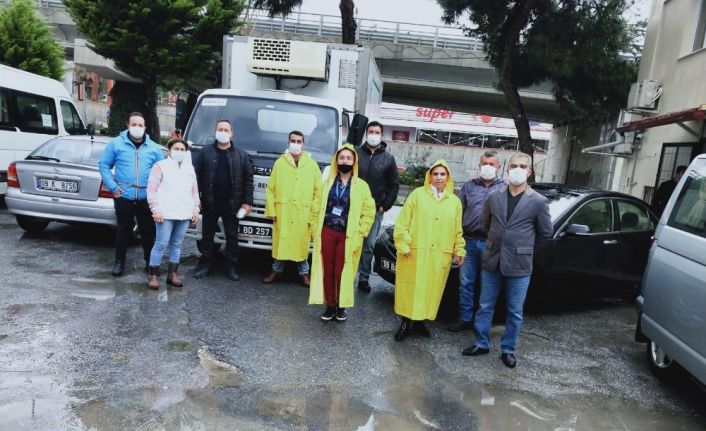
(262, 126)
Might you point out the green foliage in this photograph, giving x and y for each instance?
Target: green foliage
(26, 42)
(414, 175)
(276, 7)
(126, 97)
(163, 43)
(581, 46)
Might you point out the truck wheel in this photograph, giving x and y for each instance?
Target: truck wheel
(660, 364)
(31, 224)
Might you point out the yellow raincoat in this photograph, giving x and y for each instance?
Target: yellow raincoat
(361, 215)
(292, 196)
(430, 230)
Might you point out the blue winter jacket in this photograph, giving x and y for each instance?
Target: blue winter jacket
(132, 165)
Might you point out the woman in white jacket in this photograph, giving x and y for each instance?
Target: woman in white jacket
(173, 197)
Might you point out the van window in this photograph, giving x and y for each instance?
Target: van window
(72, 121)
(5, 122)
(36, 114)
(689, 212)
(633, 216)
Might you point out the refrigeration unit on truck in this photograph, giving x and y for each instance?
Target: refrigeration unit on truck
(271, 87)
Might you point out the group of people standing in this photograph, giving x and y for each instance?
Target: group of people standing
(490, 223)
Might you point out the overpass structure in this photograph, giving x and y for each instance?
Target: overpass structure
(421, 65)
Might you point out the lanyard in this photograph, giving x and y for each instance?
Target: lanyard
(339, 195)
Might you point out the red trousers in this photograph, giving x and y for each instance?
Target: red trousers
(333, 252)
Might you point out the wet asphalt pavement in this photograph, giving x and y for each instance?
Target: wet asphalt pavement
(81, 350)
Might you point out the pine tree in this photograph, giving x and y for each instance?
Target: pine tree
(26, 41)
(163, 43)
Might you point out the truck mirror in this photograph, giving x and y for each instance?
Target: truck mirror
(91, 130)
(356, 132)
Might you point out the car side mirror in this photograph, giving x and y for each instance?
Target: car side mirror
(575, 229)
(356, 132)
(91, 130)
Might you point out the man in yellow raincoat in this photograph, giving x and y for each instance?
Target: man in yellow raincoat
(428, 236)
(346, 213)
(291, 200)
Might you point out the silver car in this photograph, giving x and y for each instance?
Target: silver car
(59, 181)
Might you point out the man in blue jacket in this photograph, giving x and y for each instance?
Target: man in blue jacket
(125, 168)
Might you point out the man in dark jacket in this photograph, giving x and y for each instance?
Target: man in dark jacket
(378, 168)
(225, 176)
(665, 190)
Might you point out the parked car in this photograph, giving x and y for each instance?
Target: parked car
(59, 181)
(672, 304)
(600, 238)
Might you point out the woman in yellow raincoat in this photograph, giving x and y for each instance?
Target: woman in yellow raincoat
(291, 200)
(346, 213)
(428, 236)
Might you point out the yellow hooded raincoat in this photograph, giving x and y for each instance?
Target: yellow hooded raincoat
(430, 230)
(361, 215)
(292, 195)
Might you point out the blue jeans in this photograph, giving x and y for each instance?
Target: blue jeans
(170, 233)
(469, 272)
(515, 293)
(366, 256)
(278, 266)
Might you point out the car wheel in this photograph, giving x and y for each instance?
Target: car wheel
(32, 224)
(660, 363)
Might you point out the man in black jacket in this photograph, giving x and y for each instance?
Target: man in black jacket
(665, 190)
(378, 168)
(225, 176)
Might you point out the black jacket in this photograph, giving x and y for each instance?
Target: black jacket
(662, 195)
(241, 176)
(379, 170)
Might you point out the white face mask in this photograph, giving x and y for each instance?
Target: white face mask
(374, 140)
(223, 137)
(518, 176)
(136, 132)
(488, 172)
(295, 148)
(178, 156)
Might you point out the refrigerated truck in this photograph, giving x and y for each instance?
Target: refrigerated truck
(274, 86)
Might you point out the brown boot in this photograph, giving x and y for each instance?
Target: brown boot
(153, 282)
(173, 278)
(305, 280)
(271, 277)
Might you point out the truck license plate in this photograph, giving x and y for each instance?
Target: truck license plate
(254, 232)
(387, 264)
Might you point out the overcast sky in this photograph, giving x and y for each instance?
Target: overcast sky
(421, 11)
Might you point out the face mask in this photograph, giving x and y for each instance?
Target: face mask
(488, 172)
(223, 137)
(136, 132)
(518, 176)
(374, 140)
(344, 169)
(178, 156)
(295, 148)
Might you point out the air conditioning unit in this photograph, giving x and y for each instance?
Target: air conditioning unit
(644, 95)
(276, 57)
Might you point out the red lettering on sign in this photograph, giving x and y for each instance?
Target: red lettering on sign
(434, 113)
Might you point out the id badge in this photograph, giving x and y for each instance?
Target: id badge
(337, 211)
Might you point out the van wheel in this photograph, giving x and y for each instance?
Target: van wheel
(32, 224)
(660, 363)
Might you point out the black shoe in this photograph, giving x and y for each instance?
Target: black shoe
(509, 360)
(405, 327)
(118, 268)
(232, 273)
(329, 314)
(147, 267)
(364, 286)
(421, 329)
(203, 268)
(341, 315)
(475, 351)
(460, 325)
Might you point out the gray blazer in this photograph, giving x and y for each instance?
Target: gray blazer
(510, 245)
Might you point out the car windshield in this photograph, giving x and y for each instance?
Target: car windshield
(559, 200)
(262, 126)
(78, 151)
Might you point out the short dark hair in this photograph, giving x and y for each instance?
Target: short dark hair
(224, 120)
(298, 133)
(375, 124)
(177, 141)
(680, 169)
(135, 114)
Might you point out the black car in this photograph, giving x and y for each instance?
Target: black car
(601, 240)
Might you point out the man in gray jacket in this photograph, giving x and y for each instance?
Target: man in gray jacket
(513, 217)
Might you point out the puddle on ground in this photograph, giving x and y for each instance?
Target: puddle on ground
(180, 346)
(220, 374)
(101, 288)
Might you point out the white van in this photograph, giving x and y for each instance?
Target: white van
(33, 109)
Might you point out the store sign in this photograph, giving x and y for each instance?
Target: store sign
(431, 114)
(400, 135)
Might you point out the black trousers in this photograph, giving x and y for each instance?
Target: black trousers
(209, 226)
(127, 211)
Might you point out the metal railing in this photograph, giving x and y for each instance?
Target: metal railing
(436, 36)
(42, 3)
